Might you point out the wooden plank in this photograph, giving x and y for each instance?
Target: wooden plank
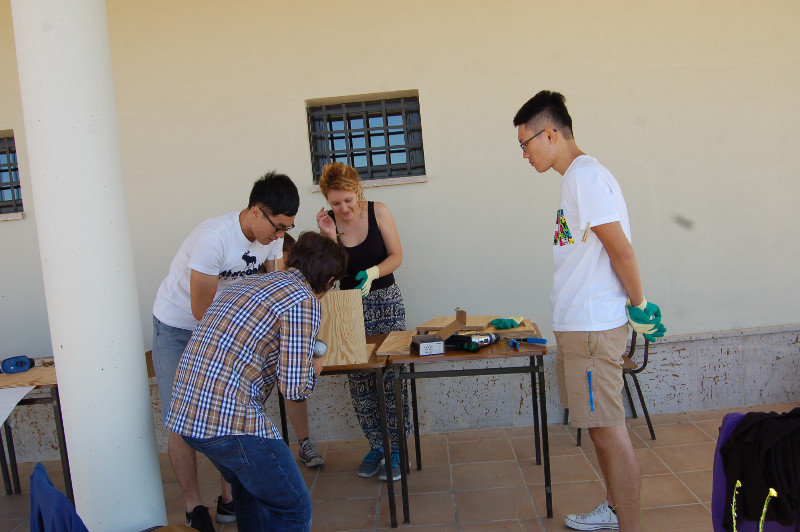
(342, 328)
(396, 343)
(526, 328)
(474, 323)
(37, 376)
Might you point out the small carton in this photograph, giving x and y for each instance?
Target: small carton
(433, 344)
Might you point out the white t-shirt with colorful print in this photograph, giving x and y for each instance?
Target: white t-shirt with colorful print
(587, 294)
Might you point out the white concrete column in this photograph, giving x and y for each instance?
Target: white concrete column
(81, 216)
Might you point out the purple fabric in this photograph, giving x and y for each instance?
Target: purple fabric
(718, 494)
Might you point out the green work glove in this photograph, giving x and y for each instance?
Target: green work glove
(645, 319)
(504, 323)
(366, 277)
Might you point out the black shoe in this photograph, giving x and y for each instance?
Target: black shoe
(226, 511)
(200, 519)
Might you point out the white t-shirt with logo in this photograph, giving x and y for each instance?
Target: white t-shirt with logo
(215, 247)
(587, 294)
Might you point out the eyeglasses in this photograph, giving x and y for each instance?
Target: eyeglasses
(277, 229)
(524, 145)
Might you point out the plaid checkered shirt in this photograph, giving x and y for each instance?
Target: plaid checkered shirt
(257, 332)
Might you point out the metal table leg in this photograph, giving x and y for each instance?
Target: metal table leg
(62, 444)
(417, 443)
(401, 440)
(284, 426)
(545, 438)
(387, 446)
(12, 458)
(4, 467)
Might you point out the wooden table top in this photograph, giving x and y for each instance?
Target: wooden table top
(43, 377)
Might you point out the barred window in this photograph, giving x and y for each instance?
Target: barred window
(380, 138)
(10, 192)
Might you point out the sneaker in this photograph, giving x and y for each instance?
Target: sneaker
(308, 454)
(395, 467)
(371, 463)
(200, 519)
(226, 511)
(601, 518)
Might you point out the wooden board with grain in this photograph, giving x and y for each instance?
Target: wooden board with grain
(396, 343)
(474, 323)
(526, 328)
(342, 328)
(37, 376)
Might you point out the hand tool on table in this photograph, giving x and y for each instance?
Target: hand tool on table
(514, 341)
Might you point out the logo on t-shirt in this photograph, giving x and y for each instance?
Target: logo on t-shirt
(250, 267)
(562, 236)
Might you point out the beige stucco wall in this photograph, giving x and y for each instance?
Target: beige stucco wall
(693, 106)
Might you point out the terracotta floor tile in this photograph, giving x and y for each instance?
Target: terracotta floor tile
(562, 469)
(433, 453)
(699, 482)
(424, 528)
(472, 435)
(481, 451)
(344, 486)
(516, 525)
(570, 497)
(480, 480)
(678, 434)
(560, 444)
(485, 475)
(694, 457)
(343, 461)
(665, 490)
(494, 505)
(348, 445)
(348, 514)
(689, 518)
(15, 525)
(425, 509)
(710, 427)
(429, 479)
(649, 462)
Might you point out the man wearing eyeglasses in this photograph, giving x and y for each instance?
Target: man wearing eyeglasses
(597, 293)
(218, 253)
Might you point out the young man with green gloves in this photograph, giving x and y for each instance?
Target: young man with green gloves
(596, 278)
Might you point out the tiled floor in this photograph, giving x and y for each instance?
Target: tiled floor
(485, 480)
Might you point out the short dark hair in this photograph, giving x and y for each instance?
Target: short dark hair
(546, 108)
(318, 258)
(276, 193)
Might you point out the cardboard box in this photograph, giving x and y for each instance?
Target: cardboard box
(433, 344)
(427, 344)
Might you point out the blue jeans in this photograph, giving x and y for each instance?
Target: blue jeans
(269, 491)
(168, 346)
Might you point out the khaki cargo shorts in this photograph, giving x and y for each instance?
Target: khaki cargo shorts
(599, 354)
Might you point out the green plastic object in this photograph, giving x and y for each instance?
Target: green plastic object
(504, 323)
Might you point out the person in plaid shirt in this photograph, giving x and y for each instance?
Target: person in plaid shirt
(259, 332)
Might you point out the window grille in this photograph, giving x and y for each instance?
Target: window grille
(381, 139)
(10, 192)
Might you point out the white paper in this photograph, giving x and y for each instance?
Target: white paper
(9, 397)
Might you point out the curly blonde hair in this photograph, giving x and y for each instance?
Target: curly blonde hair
(339, 176)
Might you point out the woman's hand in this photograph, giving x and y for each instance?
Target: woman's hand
(326, 224)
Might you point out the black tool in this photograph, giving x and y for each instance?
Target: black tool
(461, 342)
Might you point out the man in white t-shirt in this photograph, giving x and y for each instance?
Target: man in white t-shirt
(595, 273)
(219, 252)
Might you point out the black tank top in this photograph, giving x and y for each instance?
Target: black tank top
(367, 254)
